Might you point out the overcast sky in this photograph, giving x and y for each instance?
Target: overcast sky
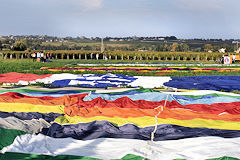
(119, 18)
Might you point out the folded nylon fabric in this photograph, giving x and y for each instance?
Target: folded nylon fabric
(85, 80)
(14, 77)
(16, 95)
(8, 135)
(25, 107)
(225, 82)
(112, 148)
(50, 79)
(180, 114)
(105, 129)
(90, 80)
(150, 121)
(193, 97)
(152, 96)
(23, 156)
(125, 102)
(29, 126)
(54, 94)
(203, 92)
(155, 96)
(208, 101)
(125, 91)
(49, 117)
(39, 92)
(13, 97)
(43, 90)
(149, 81)
(223, 158)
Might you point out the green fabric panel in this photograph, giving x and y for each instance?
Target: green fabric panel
(139, 90)
(221, 158)
(23, 156)
(36, 90)
(213, 94)
(7, 136)
(132, 157)
(225, 158)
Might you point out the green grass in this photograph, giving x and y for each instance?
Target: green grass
(70, 43)
(134, 61)
(28, 66)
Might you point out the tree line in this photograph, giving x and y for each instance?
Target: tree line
(177, 46)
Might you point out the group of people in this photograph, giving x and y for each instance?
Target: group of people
(97, 56)
(40, 56)
(43, 57)
(233, 58)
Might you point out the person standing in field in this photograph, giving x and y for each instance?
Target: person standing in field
(33, 55)
(42, 57)
(97, 56)
(48, 55)
(38, 56)
(91, 55)
(233, 58)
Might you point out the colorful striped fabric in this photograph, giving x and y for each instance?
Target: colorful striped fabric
(118, 124)
(226, 83)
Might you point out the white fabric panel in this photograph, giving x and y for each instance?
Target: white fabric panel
(109, 148)
(150, 81)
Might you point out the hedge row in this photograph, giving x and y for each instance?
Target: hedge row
(120, 55)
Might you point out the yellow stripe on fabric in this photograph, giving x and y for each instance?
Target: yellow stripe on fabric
(25, 107)
(6, 86)
(150, 121)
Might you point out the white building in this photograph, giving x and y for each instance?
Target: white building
(222, 50)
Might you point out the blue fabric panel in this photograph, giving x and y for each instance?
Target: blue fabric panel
(104, 129)
(49, 117)
(226, 83)
(149, 96)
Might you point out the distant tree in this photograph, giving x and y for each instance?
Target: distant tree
(229, 48)
(216, 48)
(171, 38)
(166, 47)
(183, 47)
(174, 47)
(208, 47)
(1, 45)
(19, 46)
(199, 49)
(186, 47)
(159, 48)
(27, 42)
(88, 48)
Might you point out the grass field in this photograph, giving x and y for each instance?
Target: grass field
(28, 66)
(69, 44)
(57, 44)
